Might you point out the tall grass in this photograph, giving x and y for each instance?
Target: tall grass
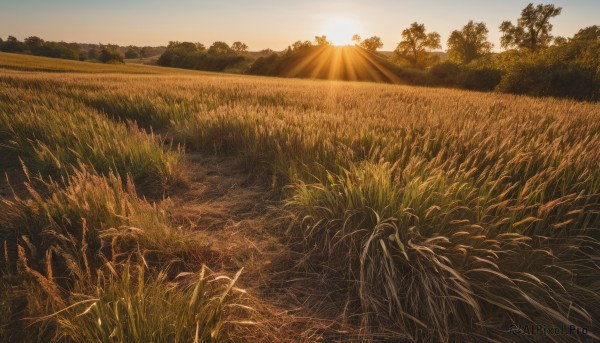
(422, 267)
(91, 257)
(86, 220)
(446, 215)
(54, 139)
(130, 308)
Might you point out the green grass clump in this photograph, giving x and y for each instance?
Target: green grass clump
(79, 224)
(51, 144)
(132, 307)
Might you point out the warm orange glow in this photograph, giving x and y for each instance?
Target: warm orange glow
(341, 63)
(339, 31)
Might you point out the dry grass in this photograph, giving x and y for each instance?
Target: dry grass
(440, 215)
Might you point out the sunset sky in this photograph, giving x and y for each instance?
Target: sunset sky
(263, 23)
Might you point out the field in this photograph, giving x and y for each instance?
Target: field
(150, 204)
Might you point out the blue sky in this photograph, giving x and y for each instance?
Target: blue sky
(263, 23)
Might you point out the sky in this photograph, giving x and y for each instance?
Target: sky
(264, 24)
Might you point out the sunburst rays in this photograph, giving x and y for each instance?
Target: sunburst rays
(341, 63)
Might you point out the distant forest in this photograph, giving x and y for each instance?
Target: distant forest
(533, 62)
(106, 53)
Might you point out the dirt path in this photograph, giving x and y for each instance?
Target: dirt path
(233, 213)
(227, 207)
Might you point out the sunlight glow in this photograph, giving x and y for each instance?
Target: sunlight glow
(339, 31)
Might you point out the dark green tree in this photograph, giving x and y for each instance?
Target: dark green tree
(93, 54)
(415, 45)
(532, 31)
(132, 52)
(239, 47)
(220, 48)
(34, 44)
(590, 33)
(109, 54)
(12, 44)
(469, 43)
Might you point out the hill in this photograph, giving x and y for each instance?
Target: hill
(37, 63)
(349, 63)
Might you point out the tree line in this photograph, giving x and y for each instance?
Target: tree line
(106, 53)
(218, 57)
(533, 61)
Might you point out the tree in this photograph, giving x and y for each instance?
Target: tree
(532, 31)
(372, 44)
(469, 43)
(415, 44)
(12, 44)
(220, 48)
(109, 54)
(185, 46)
(34, 44)
(560, 40)
(132, 52)
(93, 54)
(299, 45)
(356, 39)
(584, 49)
(176, 51)
(322, 41)
(590, 33)
(145, 52)
(201, 48)
(239, 47)
(58, 50)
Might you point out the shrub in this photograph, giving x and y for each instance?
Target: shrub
(110, 56)
(219, 57)
(12, 44)
(445, 73)
(481, 79)
(132, 307)
(132, 53)
(57, 50)
(268, 65)
(539, 78)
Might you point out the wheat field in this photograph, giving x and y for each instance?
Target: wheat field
(392, 213)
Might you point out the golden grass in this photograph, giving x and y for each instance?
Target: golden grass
(444, 214)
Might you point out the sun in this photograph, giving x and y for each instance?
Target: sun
(339, 30)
